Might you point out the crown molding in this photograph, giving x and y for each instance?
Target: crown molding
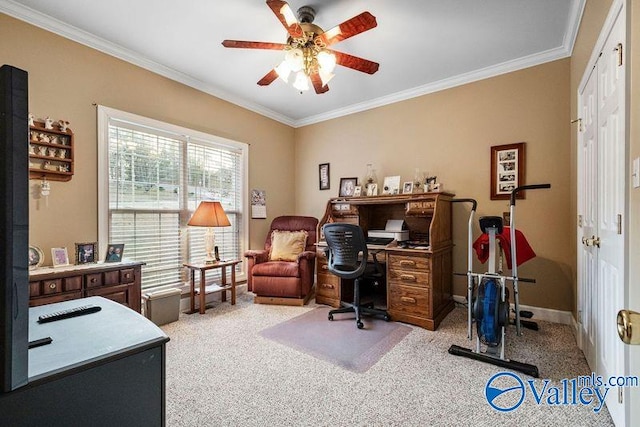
(48, 23)
(70, 32)
(448, 83)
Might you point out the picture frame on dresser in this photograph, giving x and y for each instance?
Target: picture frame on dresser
(60, 257)
(86, 253)
(36, 257)
(347, 186)
(114, 252)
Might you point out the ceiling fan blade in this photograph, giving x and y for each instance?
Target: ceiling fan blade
(287, 17)
(252, 45)
(317, 84)
(268, 78)
(349, 28)
(355, 63)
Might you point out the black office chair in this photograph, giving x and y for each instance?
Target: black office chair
(348, 257)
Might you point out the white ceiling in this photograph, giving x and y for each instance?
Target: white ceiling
(421, 45)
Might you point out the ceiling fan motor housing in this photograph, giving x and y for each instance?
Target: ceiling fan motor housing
(306, 14)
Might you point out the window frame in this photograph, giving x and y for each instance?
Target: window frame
(105, 115)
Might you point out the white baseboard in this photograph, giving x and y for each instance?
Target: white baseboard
(539, 313)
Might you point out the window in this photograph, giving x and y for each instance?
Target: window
(152, 176)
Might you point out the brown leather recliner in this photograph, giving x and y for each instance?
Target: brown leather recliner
(284, 282)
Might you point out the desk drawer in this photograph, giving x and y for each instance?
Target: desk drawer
(409, 300)
(409, 278)
(328, 286)
(409, 262)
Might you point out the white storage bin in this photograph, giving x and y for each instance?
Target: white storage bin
(162, 307)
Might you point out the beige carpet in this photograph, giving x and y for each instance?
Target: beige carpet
(221, 371)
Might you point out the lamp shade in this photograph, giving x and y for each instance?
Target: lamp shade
(209, 214)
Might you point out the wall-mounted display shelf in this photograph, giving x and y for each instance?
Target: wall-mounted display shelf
(50, 152)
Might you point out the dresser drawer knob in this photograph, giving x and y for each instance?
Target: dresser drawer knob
(52, 285)
(127, 275)
(94, 280)
(408, 300)
(327, 285)
(325, 267)
(407, 262)
(408, 277)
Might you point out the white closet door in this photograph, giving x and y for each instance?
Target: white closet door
(601, 204)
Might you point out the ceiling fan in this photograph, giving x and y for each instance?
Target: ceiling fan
(306, 51)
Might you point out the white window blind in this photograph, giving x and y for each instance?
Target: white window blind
(156, 179)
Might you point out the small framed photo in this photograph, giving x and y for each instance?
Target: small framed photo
(357, 192)
(391, 185)
(86, 253)
(347, 186)
(323, 176)
(372, 189)
(60, 257)
(36, 257)
(114, 252)
(407, 187)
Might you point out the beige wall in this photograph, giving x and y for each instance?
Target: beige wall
(450, 134)
(66, 79)
(447, 133)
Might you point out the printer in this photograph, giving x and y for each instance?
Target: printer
(394, 229)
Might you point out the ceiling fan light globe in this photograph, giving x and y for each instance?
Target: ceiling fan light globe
(295, 59)
(325, 77)
(284, 71)
(301, 83)
(288, 14)
(327, 61)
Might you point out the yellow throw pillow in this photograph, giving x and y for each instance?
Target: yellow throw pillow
(287, 245)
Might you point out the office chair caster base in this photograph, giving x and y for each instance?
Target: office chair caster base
(330, 316)
(387, 318)
(359, 324)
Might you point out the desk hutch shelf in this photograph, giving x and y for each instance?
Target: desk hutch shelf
(50, 153)
(419, 276)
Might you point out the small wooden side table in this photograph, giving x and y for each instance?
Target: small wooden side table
(204, 290)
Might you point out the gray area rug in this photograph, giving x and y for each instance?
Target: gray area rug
(340, 341)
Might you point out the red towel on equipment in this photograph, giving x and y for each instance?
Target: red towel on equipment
(524, 252)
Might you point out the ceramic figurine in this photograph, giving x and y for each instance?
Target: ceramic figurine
(62, 153)
(55, 139)
(31, 119)
(48, 123)
(43, 151)
(44, 137)
(63, 125)
(52, 152)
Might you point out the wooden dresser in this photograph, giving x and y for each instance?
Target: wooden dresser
(118, 281)
(419, 277)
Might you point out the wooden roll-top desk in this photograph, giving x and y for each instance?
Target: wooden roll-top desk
(419, 274)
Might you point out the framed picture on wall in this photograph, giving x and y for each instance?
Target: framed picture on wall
(323, 176)
(507, 170)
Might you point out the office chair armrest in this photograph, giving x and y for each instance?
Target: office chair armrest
(308, 255)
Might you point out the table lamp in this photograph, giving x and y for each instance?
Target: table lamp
(209, 214)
